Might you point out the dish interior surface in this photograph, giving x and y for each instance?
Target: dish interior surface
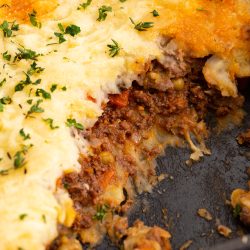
(207, 184)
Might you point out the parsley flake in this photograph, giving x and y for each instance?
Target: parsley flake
(72, 30)
(36, 108)
(237, 211)
(84, 5)
(113, 48)
(35, 69)
(8, 28)
(33, 19)
(103, 12)
(155, 13)
(4, 101)
(24, 135)
(60, 37)
(44, 218)
(53, 87)
(20, 86)
(29, 101)
(22, 216)
(2, 82)
(19, 160)
(1, 107)
(26, 54)
(6, 56)
(73, 123)
(45, 94)
(142, 26)
(101, 212)
(50, 122)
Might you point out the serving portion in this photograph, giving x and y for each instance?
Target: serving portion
(91, 93)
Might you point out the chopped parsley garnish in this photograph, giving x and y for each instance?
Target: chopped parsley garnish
(2, 82)
(53, 87)
(237, 211)
(101, 212)
(4, 101)
(72, 30)
(66, 185)
(29, 101)
(103, 12)
(142, 26)
(64, 88)
(155, 13)
(26, 54)
(22, 216)
(45, 94)
(1, 107)
(35, 69)
(33, 19)
(24, 135)
(36, 108)
(113, 48)
(6, 56)
(19, 160)
(84, 5)
(8, 28)
(122, 1)
(44, 218)
(20, 86)
(73, 123)
(50, 122)
(60, 37)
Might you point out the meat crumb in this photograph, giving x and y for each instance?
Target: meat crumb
(203, 213)
(244, 138)
(224, 230)
(186, 245)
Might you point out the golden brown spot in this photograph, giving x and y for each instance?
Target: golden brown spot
(18, 10)
(205, 27)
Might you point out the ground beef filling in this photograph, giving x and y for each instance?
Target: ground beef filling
(128, 118)
(244, 138)
(170, 97)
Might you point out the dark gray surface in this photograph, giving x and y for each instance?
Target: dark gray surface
(206, 184)
(236, 244)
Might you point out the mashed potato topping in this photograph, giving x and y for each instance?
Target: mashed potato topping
(60, 60)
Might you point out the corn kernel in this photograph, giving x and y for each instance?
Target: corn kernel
(106, 157)
(179, 84)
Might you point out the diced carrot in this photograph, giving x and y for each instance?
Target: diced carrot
(89, 170)
(91, 98)
(106, 178)
(120, 100)
(59, 182)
